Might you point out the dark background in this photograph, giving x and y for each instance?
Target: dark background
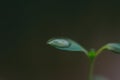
(27, 25)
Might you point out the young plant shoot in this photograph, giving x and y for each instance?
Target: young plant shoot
(67, 44)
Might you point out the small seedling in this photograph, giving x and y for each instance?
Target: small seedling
(70, 45)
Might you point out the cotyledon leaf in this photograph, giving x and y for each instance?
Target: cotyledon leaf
(66, 44)
(115, 47)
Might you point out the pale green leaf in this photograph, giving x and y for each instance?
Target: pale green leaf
(115, 47)
(66, 44)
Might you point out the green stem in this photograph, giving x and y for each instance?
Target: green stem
(91, 69)
(101, 49)
(92, 56)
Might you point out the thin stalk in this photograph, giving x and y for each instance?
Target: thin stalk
(91, 67)
(101, 49)
(92, 55)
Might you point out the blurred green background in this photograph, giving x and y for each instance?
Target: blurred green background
(27, 25)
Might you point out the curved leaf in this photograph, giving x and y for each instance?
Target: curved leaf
(66, 44)
(115, 47)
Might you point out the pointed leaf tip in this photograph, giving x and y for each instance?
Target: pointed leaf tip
(66, 44)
